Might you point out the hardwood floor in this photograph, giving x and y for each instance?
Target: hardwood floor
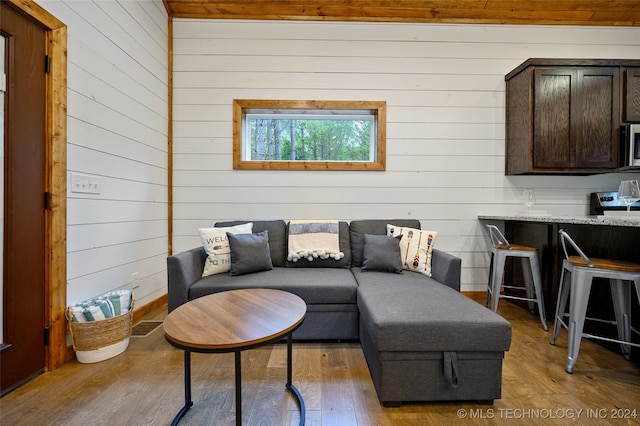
(144, 386)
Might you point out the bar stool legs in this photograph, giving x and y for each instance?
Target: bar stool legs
(491, 280)
(621, 295)
(561, 305)
(534, 266)
(576, 279)
(495, 280)
(580, 289)
(579, 286)
(532, 280)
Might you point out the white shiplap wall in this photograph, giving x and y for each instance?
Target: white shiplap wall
(117, 131)
(444, 88)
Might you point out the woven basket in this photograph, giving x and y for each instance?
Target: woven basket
(93, 335)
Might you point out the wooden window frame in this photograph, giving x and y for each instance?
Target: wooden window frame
(378, 108)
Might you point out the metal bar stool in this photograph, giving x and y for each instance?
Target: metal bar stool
(500, 250)
(577, 275)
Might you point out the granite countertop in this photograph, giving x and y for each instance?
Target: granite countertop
(576, 220)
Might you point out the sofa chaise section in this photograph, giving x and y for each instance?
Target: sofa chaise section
(440, 345)
(422, 339)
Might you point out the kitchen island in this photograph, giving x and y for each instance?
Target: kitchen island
(633, 222)
(611, 237)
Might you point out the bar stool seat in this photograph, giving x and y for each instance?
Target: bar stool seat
(576, 279)
(501, 249)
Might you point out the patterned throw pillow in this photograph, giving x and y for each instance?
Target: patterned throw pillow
(416, 247)
(216, 244)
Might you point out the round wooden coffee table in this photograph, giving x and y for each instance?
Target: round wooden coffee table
(234, 321)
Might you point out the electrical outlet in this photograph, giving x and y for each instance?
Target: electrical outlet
(135, 280)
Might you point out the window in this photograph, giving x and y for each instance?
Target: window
(309, 135)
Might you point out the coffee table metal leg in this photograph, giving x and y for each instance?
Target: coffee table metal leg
(296, 393)
(238, 389)
(188, 403)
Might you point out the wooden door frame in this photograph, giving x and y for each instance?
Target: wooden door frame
(57, 352)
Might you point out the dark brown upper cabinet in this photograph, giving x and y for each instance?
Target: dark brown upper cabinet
(564, 116)
(631, 95)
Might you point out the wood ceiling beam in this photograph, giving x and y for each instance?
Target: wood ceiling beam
(531, 12)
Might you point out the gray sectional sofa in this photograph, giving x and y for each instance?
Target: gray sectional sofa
(422, 339)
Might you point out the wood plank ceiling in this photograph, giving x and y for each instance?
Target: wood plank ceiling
(532, 12)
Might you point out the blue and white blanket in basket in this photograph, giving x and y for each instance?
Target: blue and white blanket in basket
(102, 307)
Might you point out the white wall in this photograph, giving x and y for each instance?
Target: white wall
(444, 88)
(117, 131)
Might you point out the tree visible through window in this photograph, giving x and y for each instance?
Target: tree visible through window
(313, 135)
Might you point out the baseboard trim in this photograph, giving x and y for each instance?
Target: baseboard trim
(143, 310)
(478, 296)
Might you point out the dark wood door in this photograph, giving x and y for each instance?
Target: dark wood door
(22, 354)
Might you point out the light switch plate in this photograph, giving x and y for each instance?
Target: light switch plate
(86, 184)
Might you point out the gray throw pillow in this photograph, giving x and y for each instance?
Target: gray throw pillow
(358, 229)
(249, 253)
(381, 253)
